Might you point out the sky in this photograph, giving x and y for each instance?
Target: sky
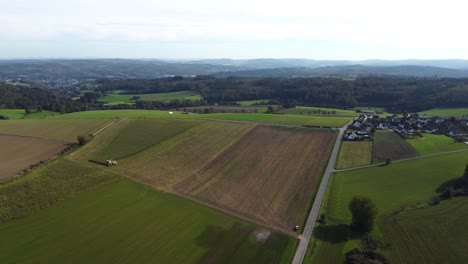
(240, 29)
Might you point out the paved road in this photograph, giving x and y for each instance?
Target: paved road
(309, 227)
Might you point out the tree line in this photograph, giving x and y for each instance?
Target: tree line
(396, 94)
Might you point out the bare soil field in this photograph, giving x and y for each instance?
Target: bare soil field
(269, 175)
(390, 145)
(18, 153)
(66, 129)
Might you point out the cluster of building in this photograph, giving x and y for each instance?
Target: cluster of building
(407, 125)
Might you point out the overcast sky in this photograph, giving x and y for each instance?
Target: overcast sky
(327, 29)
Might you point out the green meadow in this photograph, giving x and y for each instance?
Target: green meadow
(68, 212)
(118, 98)
(457, 112)
(400, 191)
(431, 144)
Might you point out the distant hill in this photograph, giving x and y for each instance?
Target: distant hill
(51, 70)
(103, 68)
(350, 71)
(308, 63)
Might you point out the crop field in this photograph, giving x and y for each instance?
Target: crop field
(135, 135)
(48, 185)
(436, 234)
(18, 153)
(123, 221)
(457, 112)
(182, 155)
(117, 98)
(67, 129)
(269, 175)
(431, 144)
(354, 154)
(390, 145)
(400, 186)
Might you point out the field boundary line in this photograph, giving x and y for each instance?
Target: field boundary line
(266, 124)
(402, 160)
(312, 218)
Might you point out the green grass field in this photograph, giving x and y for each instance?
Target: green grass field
(12, 113)
(126, 222)
(400, 186)
(292, 120)
(66, 129)
(117, 98)
(457, 112)
(354, 154)
(431, 144)
(433, 235)
(252, 102)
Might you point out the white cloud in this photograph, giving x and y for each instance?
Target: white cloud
(428, 25)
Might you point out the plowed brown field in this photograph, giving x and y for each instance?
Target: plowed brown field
(269, 175)
(390, 145)
(18, 153)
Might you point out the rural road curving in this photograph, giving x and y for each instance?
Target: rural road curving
(309, 227)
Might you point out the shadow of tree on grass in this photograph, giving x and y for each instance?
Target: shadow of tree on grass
(335, 233)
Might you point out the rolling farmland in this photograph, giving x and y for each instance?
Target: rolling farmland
(126, 222)
(223, 164)
(390, 145)
(18, 153)
(182, 155)
(269, 175)
(354, 154)
(118, 98)
(289, 120)
(67, 129)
